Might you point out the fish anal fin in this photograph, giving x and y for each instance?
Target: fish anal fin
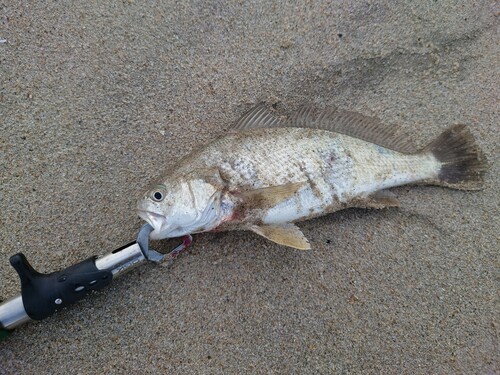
(285, 234)
(271, 196)
(382, 199)
(259, 116)
(385, 198)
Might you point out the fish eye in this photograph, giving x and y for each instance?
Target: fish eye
(158, 196)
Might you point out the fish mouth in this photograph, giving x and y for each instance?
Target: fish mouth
(158, 222)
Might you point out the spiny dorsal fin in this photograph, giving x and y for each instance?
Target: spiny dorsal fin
(287, 234)
(259, 116)
(271, 196)
(353, 124)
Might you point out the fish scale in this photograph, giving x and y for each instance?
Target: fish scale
(338, 171)
(280, 156)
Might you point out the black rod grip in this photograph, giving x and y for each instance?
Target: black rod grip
(43, 294)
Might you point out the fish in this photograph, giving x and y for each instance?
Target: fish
(270, 172)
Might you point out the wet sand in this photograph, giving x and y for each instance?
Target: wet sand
(97, 98)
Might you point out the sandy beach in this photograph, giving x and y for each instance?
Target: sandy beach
(97, 99)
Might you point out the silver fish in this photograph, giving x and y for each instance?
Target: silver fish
(268, 173)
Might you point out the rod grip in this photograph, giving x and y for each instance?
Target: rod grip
(44, 294)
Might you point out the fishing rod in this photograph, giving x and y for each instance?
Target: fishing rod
(44, 294)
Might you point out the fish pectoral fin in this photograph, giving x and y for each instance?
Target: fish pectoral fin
(382, 199)
(285, 234)
(270, 196)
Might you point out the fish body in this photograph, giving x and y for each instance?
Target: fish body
(264, 177)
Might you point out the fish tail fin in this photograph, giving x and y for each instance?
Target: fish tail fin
(463, 164)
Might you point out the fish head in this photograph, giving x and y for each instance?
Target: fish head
(179, 207)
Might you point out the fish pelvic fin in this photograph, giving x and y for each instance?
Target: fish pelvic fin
(287, 234)
(463, 164)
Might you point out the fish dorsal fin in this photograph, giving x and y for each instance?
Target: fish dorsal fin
(271, 196)
(259, 116)
(353, 124)
(287, 234)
